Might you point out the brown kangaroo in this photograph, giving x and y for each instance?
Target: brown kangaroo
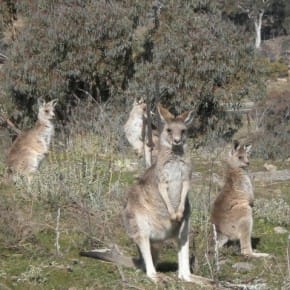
(232, 210)
(30, 147)
(157, 206)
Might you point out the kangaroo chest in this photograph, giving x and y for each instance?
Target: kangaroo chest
(46, 134)
(174, 173)
(134, 127)
(246, 186)
(243, 187)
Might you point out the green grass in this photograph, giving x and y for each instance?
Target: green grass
(87, 189)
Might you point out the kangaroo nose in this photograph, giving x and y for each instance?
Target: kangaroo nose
(177, 141)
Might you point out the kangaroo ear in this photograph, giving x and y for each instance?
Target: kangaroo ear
(53, 102)
(40, 102)
(248, 147)
(165, 115)
(237, 145)
(186, 117)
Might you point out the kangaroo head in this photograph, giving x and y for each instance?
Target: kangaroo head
(174, 133)
(238, 155)
(46, 110)
(139, 108)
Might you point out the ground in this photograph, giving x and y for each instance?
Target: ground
(75, 202)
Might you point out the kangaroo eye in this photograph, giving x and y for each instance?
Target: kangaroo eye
(46, 111)
(183, 131)
(169, 131)
(240, 157)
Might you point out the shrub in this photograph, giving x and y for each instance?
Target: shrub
(272, 117)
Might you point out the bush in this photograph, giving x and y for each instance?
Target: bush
(272, 117)
(113, 51)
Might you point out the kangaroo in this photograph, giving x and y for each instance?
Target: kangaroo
(30, 147)
(136, 132)
(232, 210)
(157, 206)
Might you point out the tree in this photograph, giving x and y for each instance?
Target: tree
(200, 60)
(255, 10)
(115, 50)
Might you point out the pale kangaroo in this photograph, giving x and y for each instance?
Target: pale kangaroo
(136, 132)
(232, 210)
(157, 206)
(30, 147)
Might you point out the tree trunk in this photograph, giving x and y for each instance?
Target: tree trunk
(258, 28)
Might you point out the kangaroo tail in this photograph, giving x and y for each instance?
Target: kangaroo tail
(113, 255)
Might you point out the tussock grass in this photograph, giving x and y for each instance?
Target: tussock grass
(75, 202)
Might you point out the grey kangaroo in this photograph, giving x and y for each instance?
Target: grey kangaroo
(157, 206)
(232, 210)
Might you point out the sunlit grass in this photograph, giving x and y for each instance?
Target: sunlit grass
(81, 187)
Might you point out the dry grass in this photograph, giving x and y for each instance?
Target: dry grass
(75, 202)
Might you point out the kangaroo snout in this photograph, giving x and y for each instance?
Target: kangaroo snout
(177, 141)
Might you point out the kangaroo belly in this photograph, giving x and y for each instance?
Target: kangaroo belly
(174, 173)
(174, 192)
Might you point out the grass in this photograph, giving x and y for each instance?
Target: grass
(76, 200)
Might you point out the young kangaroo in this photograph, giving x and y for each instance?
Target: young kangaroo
(136, 132)
(157, 206)
(232, 209)
(30, 147)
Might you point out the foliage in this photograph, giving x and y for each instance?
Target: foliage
(274, 19)
(116, 50)
(76, 199)
(275, 211)
(274, 69)
(272, 117)
(199, 60)
(67, 50)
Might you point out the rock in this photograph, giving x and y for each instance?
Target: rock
(270, 167)
(243, 267)
(280, 230)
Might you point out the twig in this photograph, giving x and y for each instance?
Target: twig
(149, 127)
(209, 265)
(57, 233)
(134, 287)
(3, 58)
(288, 255)
(121, 273)
(9, 123)
(216, 250)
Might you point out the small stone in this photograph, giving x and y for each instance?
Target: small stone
(280, 230)
(270, 167)
(243, 266)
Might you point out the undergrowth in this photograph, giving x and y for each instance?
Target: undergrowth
(75, 202)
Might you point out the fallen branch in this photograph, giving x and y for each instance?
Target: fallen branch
(5, 119)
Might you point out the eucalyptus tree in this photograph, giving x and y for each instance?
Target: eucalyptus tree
(199, 59)
(255, 10)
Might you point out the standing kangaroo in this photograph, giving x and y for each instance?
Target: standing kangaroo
(157, 206)
(136, 132)
(232, 210)
(30, 147)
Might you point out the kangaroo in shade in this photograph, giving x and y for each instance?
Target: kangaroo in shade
(232, 212)
(157, 206)
(30, 147)
(136, 132)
